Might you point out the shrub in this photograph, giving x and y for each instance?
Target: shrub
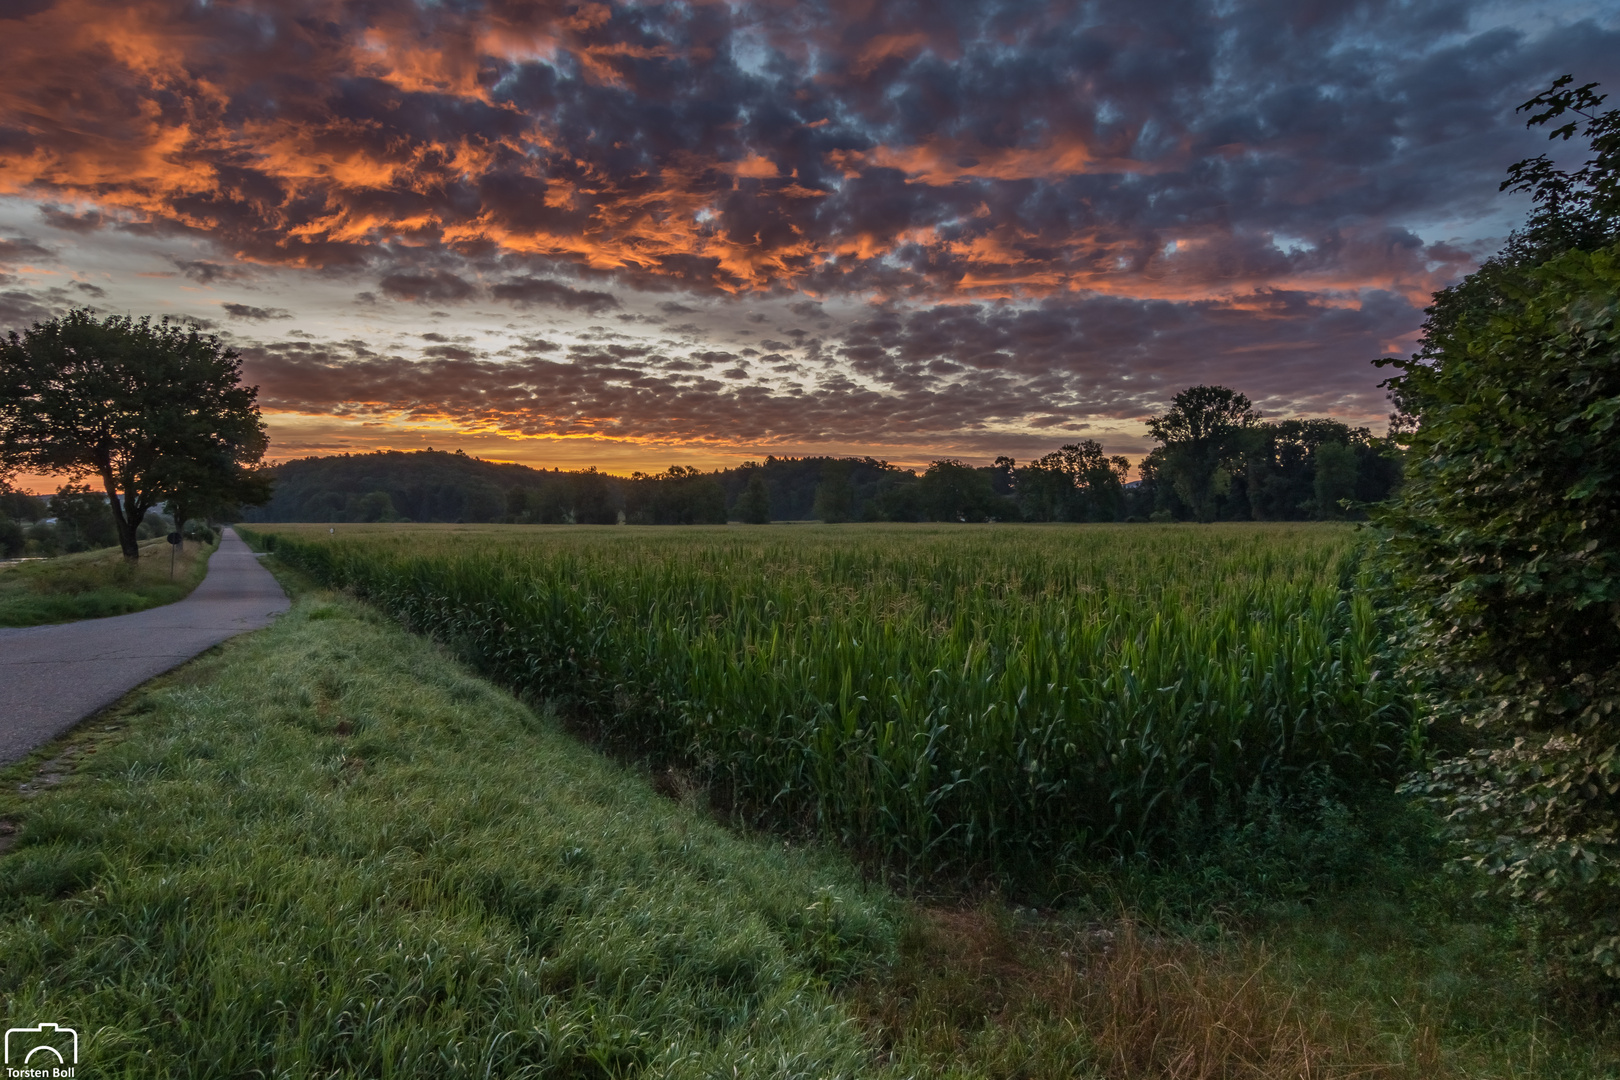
(199, 531)
(1505, 548)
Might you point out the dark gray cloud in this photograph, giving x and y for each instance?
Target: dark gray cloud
(257, 314)
(22, 249)
(538, 291)
(21, 308)
(434, 286)
(87, 221)
(204, 272)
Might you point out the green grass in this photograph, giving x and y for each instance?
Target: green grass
(328, 850)
(95, 584)
(942, 698)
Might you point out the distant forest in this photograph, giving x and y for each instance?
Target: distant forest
(1292, 470)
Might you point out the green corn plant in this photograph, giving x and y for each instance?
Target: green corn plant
(942, 698)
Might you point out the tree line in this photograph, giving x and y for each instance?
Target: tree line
(1217, 461)
(157, 414)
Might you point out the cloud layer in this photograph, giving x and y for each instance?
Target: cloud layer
(1030, 212)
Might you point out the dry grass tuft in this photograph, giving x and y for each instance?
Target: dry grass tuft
(1175, 1009)
(975, 993)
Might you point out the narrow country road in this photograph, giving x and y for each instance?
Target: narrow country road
(51, 677)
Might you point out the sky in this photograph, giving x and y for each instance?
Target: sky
(637, 235)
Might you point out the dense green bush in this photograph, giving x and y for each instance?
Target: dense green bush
(1505, 546)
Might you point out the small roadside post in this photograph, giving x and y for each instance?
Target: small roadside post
(174, 546)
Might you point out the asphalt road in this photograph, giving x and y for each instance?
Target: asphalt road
(51, 677)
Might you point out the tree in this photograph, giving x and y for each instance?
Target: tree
(482, 501)
(1204, 437)
(215, 483)
(81, 514)
(592, 499)
(1573, 211)
(681, 495)
(1044, 490)
(1503, 549)
(1076, 482)
(955, 491)
(1297, 469)
(1505, 546)
(1335, 481)
(1099, 479)
(144, 408)
(835, 495)
(374, 506)
(13, 508)
(20, 506)
(1004, 477)
(1577, 210)
(754, 506)
(899, 497)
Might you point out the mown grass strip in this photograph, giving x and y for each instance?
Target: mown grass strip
(329, 850)
(96, 584)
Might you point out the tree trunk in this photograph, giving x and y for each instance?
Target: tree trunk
(121, 517)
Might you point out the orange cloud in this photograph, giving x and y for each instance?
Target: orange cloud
(600, 139)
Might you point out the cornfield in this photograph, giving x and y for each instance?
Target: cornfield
(946, 697)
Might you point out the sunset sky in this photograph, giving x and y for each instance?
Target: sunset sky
(639, 235)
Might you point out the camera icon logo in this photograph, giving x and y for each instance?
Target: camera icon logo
(42, 1044)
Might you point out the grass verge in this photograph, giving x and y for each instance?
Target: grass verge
(326, 849)
(95, 584)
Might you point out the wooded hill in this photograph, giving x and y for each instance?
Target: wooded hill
(435, 485)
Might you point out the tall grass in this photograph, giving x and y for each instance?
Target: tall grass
(96, 584)
(945, 697)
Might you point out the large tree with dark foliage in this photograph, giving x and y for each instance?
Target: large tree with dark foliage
(953, 491)
(1311, 468)
(81, 515)
(1076, 482)
(148, 409)
(754, 505)
(1504, 545)
(1204, 436)
(16, 508)
(681, 495)
(216, 482)
(835, 495)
